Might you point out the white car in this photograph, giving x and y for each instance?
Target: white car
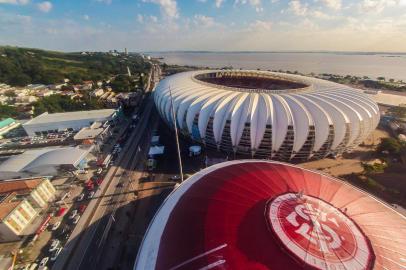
(56, 226)
(76, 219)
(81, 197)
(43, 262)
(54, 245)
(73, 214)
(53, 258)
(91, 194)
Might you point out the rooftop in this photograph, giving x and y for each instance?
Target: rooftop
(19, 186)
(6, 122)
(70, 116)
(43, 157)
(7, 207)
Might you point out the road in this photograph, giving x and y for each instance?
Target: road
(88, 240)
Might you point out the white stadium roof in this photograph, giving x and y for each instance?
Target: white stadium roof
(253, 111)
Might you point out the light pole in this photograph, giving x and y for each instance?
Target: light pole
(177, 138)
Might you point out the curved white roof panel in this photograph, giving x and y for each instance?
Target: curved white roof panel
(44, 157)
(267, 114)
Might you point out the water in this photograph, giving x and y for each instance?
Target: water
(356, 64)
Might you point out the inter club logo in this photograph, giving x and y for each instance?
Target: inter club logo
(318, 234)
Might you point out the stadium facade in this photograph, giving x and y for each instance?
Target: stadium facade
(265, 114)
(251, 214)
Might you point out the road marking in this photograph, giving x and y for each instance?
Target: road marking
(213, 265)
(198, 256)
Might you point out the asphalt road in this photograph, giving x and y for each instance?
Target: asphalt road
(87, 242)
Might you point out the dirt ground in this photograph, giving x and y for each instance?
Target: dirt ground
(349, 162)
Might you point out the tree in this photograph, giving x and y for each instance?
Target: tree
(10, 93)
(398, 111)
(381, 78)
(390, 145)
(20, 80)
(7, 111)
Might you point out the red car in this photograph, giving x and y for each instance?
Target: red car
(82, 208)
(61, 212)
(99, 181)
(89, 185)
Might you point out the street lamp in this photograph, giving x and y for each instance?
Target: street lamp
(176, 135)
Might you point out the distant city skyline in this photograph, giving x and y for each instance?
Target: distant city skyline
(205, 25)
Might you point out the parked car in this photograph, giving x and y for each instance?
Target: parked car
(119, 185)
(91, 194)
(61, 212)
(56, 226)
(80, 197)
(174, 178)
(82, 208)
(54, 245)
(44, 261)
(73, 214)
(76, 219)
(99, 181)
(56, 253)
(62, 231)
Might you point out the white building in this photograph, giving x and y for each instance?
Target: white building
(70, 120)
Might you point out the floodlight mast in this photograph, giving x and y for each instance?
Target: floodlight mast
(177, 138)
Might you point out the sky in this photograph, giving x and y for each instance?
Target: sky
(213, 25)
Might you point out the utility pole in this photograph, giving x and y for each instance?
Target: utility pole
(176, 135)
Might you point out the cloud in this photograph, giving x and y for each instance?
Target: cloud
(254, 3)
(259, 25)
(140, 18)
(298, 8)
(218, 3)
(333, 4)
(204, 21)
(45, 6)
(168, 7)
(86, 17)
(107, 2)
(377, 6)
(15, 2)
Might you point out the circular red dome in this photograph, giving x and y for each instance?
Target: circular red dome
(269, 215)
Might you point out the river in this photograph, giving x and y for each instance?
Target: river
(359, 64)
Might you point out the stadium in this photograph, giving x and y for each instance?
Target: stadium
(251, 214)
(269, 115)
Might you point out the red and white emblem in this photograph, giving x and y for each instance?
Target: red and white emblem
(318, 234)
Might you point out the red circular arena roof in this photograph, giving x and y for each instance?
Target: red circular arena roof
(269, 215)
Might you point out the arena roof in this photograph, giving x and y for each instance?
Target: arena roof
(70, 116)
(272, 115)
(254, 214)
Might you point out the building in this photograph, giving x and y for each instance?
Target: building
(8, 124)
(97, 133)
(55, 122)
(97, 92)
(38, 191)
(266, 114)
(45, 162)
(20, 202)
(252, 214)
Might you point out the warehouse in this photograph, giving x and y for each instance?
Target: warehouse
(47, 122)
